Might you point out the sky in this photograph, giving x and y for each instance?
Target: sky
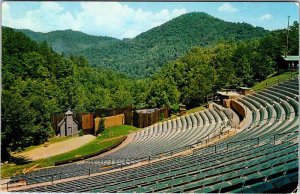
(129, 19)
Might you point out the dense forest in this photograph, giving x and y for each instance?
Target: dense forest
(38, 82)
(227, 64)
(71, 42)
(145, 54)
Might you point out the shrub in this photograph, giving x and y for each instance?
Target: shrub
(101, 126)
(162, 116)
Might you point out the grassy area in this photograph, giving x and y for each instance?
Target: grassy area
(195, 109)
(92, 147)
(170, 118)
(116, 131)
(274, 80)
(108, 138)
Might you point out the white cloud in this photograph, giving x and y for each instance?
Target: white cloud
(51, 7)
(266, 17)
(97, 18)
(5, 7)
(5, 13)
(227, 7)
(47, 17)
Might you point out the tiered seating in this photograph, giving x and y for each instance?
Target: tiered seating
(162, 137)
(193, 173)
(261, 158)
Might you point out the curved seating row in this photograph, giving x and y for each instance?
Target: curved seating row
(173, 134)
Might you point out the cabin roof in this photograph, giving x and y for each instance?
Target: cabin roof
(61, 122)
(68, 113)
(291, 58)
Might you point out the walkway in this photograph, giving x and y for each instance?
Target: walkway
(57, 148)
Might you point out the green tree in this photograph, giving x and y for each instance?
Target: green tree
(101, 126)
(162, 93)
(17, 121)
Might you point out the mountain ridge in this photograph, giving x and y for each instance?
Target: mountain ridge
(63, 41)
(145, 54)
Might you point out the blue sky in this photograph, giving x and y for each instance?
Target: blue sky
(128, 19)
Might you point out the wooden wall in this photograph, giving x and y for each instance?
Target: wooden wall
(238, 108)
(142, 120)
(109, 121)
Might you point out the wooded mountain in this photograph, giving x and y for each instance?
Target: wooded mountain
(38, 82)
(70, 42)
(148, 52)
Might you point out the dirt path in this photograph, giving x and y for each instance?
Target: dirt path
(57, 148)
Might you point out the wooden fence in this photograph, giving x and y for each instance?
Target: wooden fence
(131, 117)
(110, 121)
(87, 123)
(86, 120)
(111, 112)
(128, 117)
(142, 120)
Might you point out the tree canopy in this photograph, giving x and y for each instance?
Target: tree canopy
(38, 82)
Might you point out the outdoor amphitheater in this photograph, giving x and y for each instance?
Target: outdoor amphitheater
(251, 147)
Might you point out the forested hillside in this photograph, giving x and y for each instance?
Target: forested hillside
(145, 54)
(204, 70)
(70, 42)
(38, 82)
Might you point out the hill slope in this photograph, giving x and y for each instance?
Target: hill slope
(69, 41)
(38, 82)
(145, 54)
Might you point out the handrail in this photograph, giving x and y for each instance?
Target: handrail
(121, 165)
(249, 139)
(243, 140)
(284, 133)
